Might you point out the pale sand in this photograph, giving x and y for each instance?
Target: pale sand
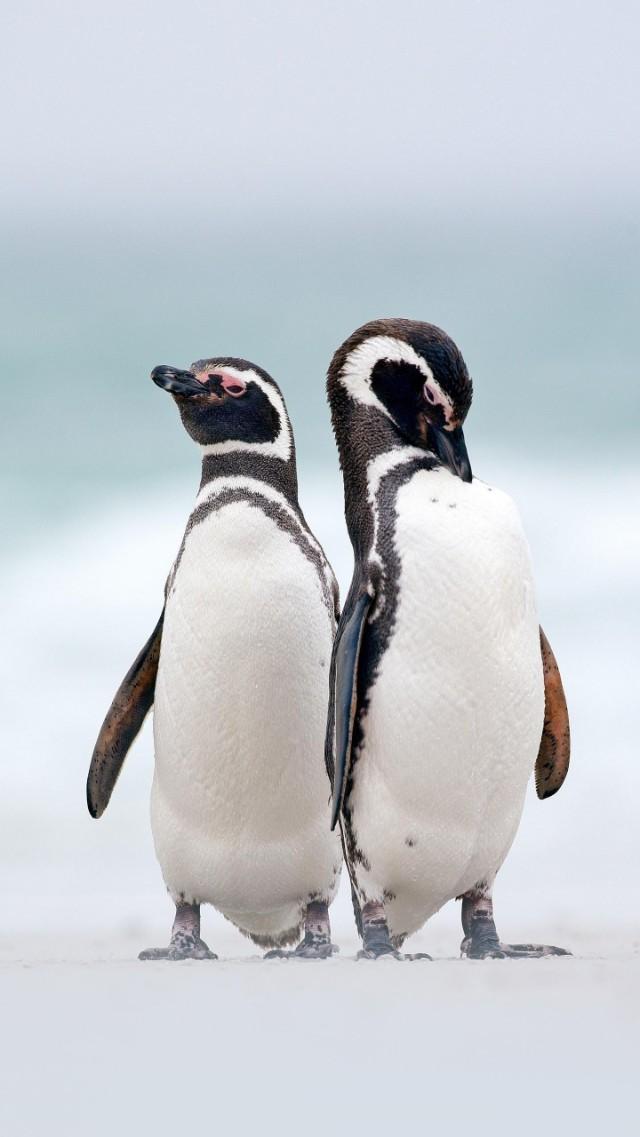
(95, 1042)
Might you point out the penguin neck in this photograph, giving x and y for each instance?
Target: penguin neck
(279, 473)
(370, 447)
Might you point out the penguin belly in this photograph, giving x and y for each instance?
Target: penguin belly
(454, 716)
(239, 806)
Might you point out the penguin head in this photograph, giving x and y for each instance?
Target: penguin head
(229, 404)
(413, 375)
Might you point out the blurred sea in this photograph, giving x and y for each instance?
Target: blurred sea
(544, 310)
(98, 478)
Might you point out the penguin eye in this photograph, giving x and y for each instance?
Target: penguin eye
(429, 395)
(229, 383)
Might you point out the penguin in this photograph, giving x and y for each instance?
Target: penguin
(237, 671)
(445, 693)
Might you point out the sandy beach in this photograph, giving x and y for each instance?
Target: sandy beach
(96, 1042)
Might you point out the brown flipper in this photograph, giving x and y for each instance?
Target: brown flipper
(552, 762)
(125, 716)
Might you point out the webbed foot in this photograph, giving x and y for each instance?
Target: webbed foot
(481, 938)
(379, 951)
(508, 951)
(185, 938)
(393, 953)
(315, 949)
(185, 947)
(304, 950)
(317, 937)
(376, 939)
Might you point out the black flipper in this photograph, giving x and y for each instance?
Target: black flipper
(125, 716)
(347, 652)
(552, 762)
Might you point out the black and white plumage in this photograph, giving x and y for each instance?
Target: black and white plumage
(239, 808)
(438, 691)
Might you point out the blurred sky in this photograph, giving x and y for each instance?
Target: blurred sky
(161, 106)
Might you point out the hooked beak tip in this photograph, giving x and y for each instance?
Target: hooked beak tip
(163, 375)
(465, 472)
(175, 381)
(451, 449)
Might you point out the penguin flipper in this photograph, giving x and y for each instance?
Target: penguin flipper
(124, 718)
(552, 762)
(345, 688)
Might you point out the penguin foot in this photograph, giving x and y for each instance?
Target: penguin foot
(509, 951)
(185, 937)
(305, 950)
(181, 947)
(376, 939)
(392, 953)
(309, 948)
(379, 951)
(531, 951)
(481, 942)
(317, 936)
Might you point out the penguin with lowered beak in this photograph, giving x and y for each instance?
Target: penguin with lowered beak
(445, 692)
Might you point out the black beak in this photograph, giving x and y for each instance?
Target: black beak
(451, 449)
(177, 382)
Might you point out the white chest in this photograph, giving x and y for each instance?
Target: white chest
(242, 684)
(455, 713)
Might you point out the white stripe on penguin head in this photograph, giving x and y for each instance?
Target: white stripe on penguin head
(281, 446)
(355, 375)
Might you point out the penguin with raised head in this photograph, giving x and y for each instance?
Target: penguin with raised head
(445, 692)
(237, 671)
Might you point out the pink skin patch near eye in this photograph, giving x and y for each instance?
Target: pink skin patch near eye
(438, 399)
(231, 384)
